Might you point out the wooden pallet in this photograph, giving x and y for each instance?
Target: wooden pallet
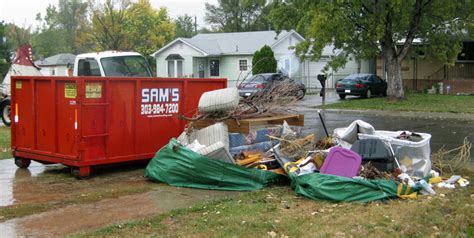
(244, 126)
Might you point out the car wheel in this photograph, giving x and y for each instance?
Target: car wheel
(368, 94)
(22, 162)
(300, 94)
(6, 109)
(342, 96)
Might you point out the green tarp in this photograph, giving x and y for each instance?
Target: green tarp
(178, 166)
(335, 188)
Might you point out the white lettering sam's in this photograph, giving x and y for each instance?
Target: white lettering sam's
(160, 102)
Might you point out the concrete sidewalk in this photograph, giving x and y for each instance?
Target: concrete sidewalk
(314, 100)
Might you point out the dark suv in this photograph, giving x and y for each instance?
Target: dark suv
(257, 83)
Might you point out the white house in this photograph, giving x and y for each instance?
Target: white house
(225, 55)
(229, 55)
(57, 65)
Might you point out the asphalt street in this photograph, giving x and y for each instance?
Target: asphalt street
(446, 132)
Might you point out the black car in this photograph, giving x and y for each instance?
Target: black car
(365, 85)
(257, 83)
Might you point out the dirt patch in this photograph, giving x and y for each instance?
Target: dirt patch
(74, 218)
(78, 217)
(53, 184)
(47, 201)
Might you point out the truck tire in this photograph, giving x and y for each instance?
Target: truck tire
(5, 113)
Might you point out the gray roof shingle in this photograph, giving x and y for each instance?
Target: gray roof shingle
(59, 59)
(232, 43)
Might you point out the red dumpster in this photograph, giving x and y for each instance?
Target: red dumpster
(85, 121)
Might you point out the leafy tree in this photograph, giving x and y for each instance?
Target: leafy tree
(17, 36)
(368, 28)
(108, 21)
(124, 26)
(49, 42)
(264, 61)
(147, 28)
(185, 26)
(4, 52)
(61, 29)
(236, 15)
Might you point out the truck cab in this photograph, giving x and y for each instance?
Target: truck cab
(111, 64)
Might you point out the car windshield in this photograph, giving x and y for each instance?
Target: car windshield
(353, 79)
(258, 78)
(126, 66)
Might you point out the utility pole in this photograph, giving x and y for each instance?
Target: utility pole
(195, 25)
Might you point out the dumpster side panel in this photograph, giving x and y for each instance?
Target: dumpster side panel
(93, 119)
(67, 117)
(121, 118)
(86, 121)
(157, 116)
(44, 105)
(22, 111)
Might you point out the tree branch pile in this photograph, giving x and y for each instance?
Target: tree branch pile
(276, 99)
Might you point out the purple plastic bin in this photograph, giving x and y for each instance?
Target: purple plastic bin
(341, 162)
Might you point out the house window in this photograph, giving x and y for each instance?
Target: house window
(179, 72)
(175, 65)
(175, 68)
(243, 65)
(214, 67)
(53, 72)
(171, 68)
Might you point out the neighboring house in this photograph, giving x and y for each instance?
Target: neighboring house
(225, 55)
(422, 72)
(229, 55)
(57, 65)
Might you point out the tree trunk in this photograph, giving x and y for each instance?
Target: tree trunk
(393, 67)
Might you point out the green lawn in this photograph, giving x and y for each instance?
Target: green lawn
(5, 150)
(277, 212)
(414, 102)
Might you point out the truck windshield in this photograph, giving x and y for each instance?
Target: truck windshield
(126, 66)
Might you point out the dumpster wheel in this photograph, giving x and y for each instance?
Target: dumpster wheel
(81, 172)
(22, 162)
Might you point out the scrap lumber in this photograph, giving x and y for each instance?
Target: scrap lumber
(244, 126)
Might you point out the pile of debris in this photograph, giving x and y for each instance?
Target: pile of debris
(233, 144)
(400, 155)
(241, 131)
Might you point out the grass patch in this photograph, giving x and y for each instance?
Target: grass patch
(414, 102)
(278, 212)
(454, 161)
(5, 149)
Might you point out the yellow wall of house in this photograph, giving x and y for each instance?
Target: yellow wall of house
(424, 68)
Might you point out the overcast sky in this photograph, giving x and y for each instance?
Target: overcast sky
(23, 12)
